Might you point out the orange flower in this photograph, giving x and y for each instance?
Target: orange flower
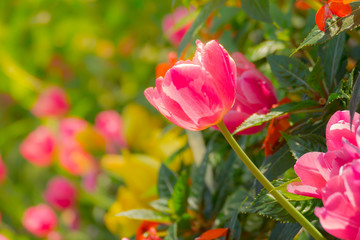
(147, 231)
(340, 8)
(214, 234)
(162, 68)
(276, 126)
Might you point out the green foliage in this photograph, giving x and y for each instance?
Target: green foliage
(145, 214)
(257, 9)
(180, 194)
(301, 144)
(166, 182)
(355, 97)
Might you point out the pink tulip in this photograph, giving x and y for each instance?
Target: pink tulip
(340, 215)
(60, 193)
(38, 147)
(172, 26)
(51, 103)
(2, 237)
(3, 172)
(69, 127)
(39, 220)
(54, 236)
(110, 125)
(197, 94)
(338, 128)
(254, 94)
(76, 160)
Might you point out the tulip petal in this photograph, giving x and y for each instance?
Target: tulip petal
(307, 170)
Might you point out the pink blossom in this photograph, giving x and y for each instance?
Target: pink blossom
(315, 169)
(340, 215)
(38, 147)
(39, 220)
(3, 171)
(69, 128)
(51, 103)
(172, 26)
(54, 236)
(110, 125)
(254, 94)
(76, 160)
(2, 237)
(60, 193)
(197, 94)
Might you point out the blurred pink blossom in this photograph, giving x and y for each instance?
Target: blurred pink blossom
(54, 236)
(197, 94)
(76, 160)
(254, 94)
(110, 125)
(51, 103)
(2, 237)
(3, 172)
(38, 147)
(60, 193)
(340, 215)
(39, 220)
(173, 27)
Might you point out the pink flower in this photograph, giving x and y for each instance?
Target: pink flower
(39, 220)
(69, 128)
(2, 237)
(171, 25)
(340, 215)
(254, 94)
(197, 94)
(51, 103)
(3, 172)
(60, 193)
(76, 160)
(38, 147)
(110, 125)
(315, 169)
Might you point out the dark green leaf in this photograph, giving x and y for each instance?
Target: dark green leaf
(234, 226)
(166, 182)
(198, 23)
(236, 202)
(266, 205)
(264, 49)
(285, 231)
(355, 98)
(160, 205)
(316, 78)
(316, 36)
(172, 232)
(180, 194)
(301, 144)
(258, 119)
(145, 214)
(289, 71)
(257, 9)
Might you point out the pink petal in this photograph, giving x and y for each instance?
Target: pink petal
(304, 190)
(242, 64)
(307, 170)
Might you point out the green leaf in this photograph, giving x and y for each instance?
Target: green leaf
(257, 9)
(258, 119)
(166, 182)
(289, 71)
(172, 232)
(235, 202)
(180, 194)
(161, 205)
(316, 36)
(264, 49)
(301, 144)
(234, 226)
(198, 23)
(285, 231)
(266, 205)
(332, 58)
(316, 78)
(145, 214)
(355, 98)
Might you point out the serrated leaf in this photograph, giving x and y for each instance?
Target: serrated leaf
(258, 119)
(180, 194)
(285, 231)
(172, 232)
(289, 71)
(166, 182)
(198, 23)
(301, 144)
(145, 214)
(316, 36)
(266, 205)
(355, 99)
(257, 9)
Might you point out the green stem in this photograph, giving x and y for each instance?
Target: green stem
(267, 184)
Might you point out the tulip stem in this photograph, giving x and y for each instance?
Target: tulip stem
(267, 184)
